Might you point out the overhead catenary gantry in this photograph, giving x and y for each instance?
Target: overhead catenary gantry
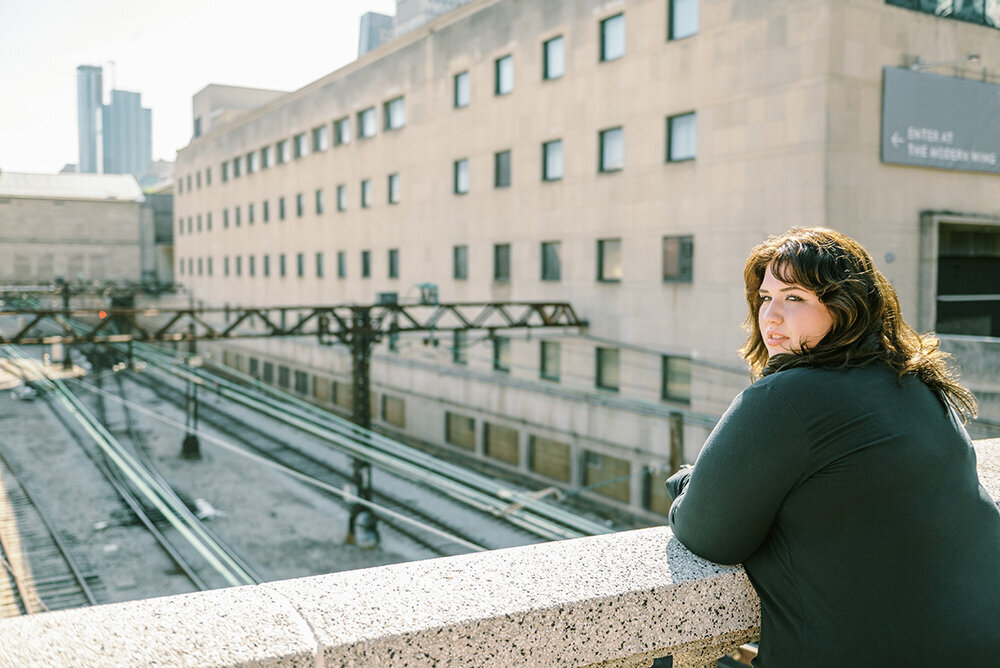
(358, 326)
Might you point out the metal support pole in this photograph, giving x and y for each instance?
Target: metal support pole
(64, 289)
(361, 338)
(191, 447)
(676, 441)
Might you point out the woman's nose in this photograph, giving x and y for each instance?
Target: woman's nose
(772, 312)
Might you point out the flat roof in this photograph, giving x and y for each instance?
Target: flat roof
(120, 187)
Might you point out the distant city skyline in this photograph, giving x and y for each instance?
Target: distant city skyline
(168, 56)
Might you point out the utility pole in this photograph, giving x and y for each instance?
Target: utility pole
(191, 447)
(65, 293)
(361, 337)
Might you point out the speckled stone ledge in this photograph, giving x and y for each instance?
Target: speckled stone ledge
(615, 600)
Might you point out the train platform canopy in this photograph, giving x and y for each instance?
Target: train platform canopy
(13, 372)
(103, 187)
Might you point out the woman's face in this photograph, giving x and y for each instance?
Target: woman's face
(790, 316)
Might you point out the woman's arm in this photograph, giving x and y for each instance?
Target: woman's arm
(752, 459)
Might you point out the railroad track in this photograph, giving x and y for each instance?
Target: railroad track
(38, 571)
(335, 472)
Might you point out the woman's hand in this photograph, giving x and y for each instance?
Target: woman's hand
(678, 481)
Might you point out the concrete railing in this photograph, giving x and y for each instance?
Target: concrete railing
(614, 600)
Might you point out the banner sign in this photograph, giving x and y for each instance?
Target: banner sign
(929, 120)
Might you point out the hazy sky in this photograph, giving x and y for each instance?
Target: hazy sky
(167, 51)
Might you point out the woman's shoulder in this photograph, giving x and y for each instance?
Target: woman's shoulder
(806, 380)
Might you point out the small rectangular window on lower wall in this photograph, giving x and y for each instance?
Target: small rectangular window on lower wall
(321, 388)
(607, 476)
(343, 394)
(501, 443)
(549, 457)
(656, 498)
(394, 410)
(301, 382)
(268, 372)
(284, 376)
(254, 367)
(460, 430)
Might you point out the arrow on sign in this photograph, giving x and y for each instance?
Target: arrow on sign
(896, 140)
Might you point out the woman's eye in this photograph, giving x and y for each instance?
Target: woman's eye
(794, 298)
(765, 298)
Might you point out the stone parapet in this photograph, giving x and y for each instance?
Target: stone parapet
(613, 600)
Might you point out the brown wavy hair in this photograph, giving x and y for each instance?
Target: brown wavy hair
(868, 325)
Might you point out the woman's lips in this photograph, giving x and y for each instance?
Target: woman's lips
(774, 339)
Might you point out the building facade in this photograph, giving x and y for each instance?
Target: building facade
(623, 156)
(89, 101)
(127, 135)
(78, 227)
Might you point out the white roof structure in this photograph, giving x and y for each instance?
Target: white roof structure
(121, 187)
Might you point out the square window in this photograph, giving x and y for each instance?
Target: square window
(607, 369)
(504, 75)
(393, 188)
(609, 476)
(366, 123)
(301, 147)
(460, 262)
(501, 354)
(266, 157)
(394, 113)
(252, 162)
(609, 260)
(341, 264)
(461, 176)
(460, 430)
(683, 18)
(549, 457)
(676, 379)
(300, 265)
(300, 205)
(501, 443)
(549, 364)
(319, 265)
(342, 197)
(463, 90)
(342, 131)
(611, 149)
(460, 347)
(613, 37)
(501, 169)
(682, 131)
(393, 263)
(551, 267)
(678, 259)
(554, 58)
(281, 208)
(366, 264)
(501, 262)
(393, 410)
(552, 160)
(366, 193)
(284, 151)
(320, 139)
(319, 202)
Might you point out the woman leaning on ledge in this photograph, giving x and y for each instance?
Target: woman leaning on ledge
(843, 478)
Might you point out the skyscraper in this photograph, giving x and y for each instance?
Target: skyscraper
(127, 134)
(376, 30)
(89, 91)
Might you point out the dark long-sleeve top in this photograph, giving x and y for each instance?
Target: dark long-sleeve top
(851, 497)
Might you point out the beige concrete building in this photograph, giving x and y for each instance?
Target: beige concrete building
(623, 156)
(75, 226)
